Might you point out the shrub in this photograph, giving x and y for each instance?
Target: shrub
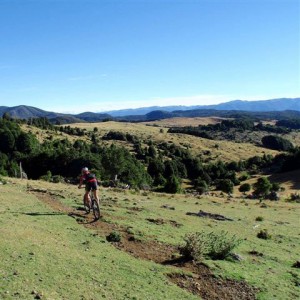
(273, 196)
(262, 187)
(57, 179)
(213, 245)
(172, 185)
(46, 177)
(295, 197)
(277, 143)
(114, 236)
(263, 234)
(201, 186)
(225, 185)
(275, 187)
(245, 187)
(3, 181)
(244, 176)
(259, 219)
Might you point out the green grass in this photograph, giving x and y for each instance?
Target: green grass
(52, 254)
(272, 272)
(48, 252)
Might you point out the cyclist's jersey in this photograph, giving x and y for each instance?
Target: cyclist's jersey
(88, 177)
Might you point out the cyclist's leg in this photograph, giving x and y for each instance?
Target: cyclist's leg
(87, 197)
(95, 191)
(96, 196)
(96, 206)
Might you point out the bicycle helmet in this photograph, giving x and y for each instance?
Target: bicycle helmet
(85, 169)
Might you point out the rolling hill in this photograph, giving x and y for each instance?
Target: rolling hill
(275, 108)
(240, 105)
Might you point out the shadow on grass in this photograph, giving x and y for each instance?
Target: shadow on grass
(284, 177)
(34, 214)
(176, 261)
(81, 219)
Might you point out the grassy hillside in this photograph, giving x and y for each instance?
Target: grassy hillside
(51, 250)
(198, 146)
(178, 122)
(157, 132)
(46, 254)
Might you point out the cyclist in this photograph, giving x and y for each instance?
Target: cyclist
(90, 182)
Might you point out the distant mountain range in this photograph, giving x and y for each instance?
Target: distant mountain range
(241, 105)
(27, 112)
(276, 108)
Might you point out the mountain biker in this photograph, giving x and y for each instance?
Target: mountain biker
(90, 182)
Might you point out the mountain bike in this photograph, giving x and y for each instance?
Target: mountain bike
(93, 204)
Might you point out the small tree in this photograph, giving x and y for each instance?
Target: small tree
(245, 187)
(172, 185)
(225, 185)
(200, 185)
(262, 187)
(275, 187)
(6, 116)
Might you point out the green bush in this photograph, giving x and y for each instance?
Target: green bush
(259, 219)
(47, 177)
(224, 185)
(172, 185)
(57, 179)
(114, 236)
(294, 197)
(277, 143)
(245, 187)
(262, 187)
(3, 181)
(213, 245)
(263, 234)
(244, 176)
(201, 186)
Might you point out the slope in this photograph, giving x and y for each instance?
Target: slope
(53, 251)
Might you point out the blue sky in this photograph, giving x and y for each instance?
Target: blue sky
(88, 55)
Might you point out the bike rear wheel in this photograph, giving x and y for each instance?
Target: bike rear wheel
(96, 209)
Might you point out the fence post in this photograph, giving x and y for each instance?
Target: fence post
(21, 171)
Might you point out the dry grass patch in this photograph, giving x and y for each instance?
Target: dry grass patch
(217, 149)
(181, 122)
(43, 135)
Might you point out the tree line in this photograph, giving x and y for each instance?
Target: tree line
(161, 166)
(271, 141)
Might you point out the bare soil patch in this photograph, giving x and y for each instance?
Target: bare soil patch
(195, 278)
(211, 288)
(162, 221)
(204, 214)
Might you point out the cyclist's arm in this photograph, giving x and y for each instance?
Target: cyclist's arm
(81, 182)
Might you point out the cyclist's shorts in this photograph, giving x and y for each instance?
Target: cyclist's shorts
(91, 186)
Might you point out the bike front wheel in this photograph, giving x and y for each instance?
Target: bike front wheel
(96, 210)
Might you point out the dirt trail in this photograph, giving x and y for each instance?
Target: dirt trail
(199, 281)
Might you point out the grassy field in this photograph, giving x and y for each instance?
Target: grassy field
(157, 132)
(52, 250)
(47, 254)
(198, 146)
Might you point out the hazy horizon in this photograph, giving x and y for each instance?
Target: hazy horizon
(148, 106)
